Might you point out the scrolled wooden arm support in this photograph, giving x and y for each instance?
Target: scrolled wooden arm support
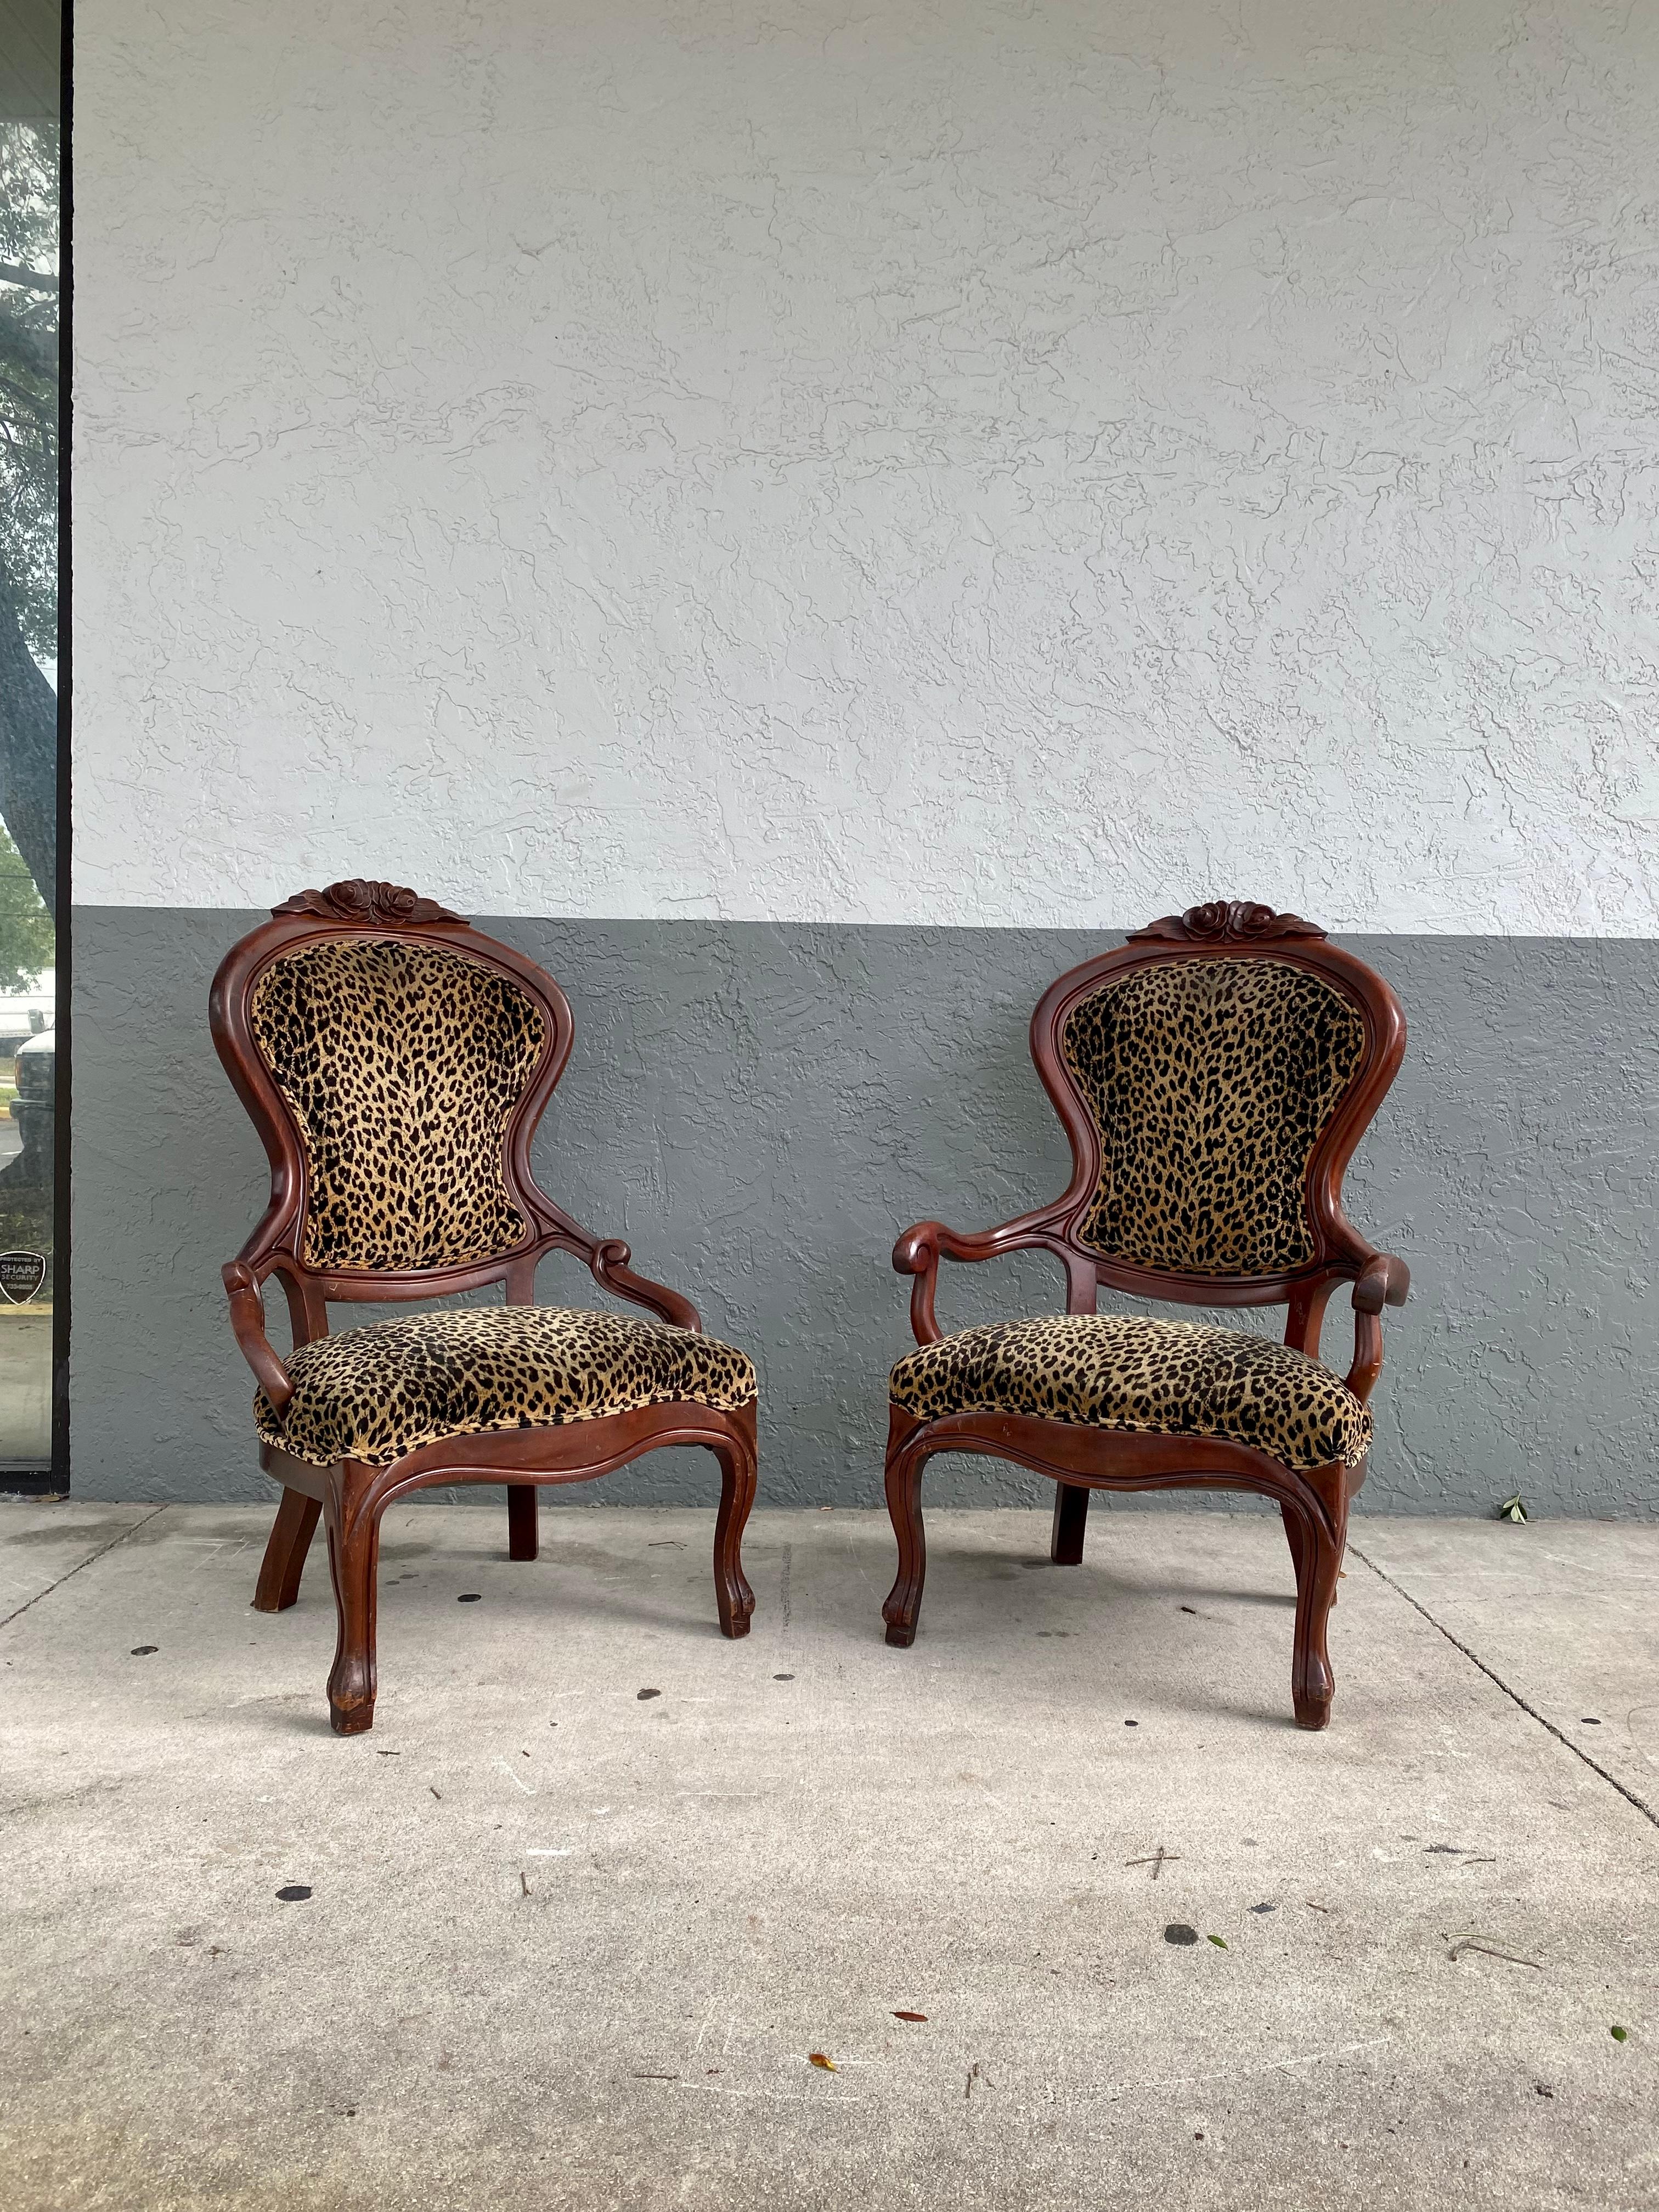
(917, 1253)
(609, 1260)
(247, 1319)
(1384, 1280)
(920, 1249)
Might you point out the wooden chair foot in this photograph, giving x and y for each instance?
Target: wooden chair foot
(353, 1559)
(734, 1601)
(1071, 1520)
(523, 1538)
(1312, 1682)
(285, 1553)
(902, 1607)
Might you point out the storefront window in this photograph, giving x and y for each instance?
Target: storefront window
(30, 118)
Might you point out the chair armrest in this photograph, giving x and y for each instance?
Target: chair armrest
(608, 1259)
(920, 1249)
(1384, 1280)
(247, 1319)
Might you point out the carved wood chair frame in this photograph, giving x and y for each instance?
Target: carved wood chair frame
(351, 1496)
(1315, 1504)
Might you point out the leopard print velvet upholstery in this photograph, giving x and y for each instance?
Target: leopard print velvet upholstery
(1168, 1378)
(401, 1062)
(373, 1394)
(1211, 1082)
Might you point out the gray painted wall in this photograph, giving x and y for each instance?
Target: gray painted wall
(760, 1108)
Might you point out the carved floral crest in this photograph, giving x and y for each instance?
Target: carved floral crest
(1226, 921)
(359, 900)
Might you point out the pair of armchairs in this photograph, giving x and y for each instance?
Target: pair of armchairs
(1213, 1075)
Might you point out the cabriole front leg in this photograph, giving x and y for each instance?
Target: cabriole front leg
(739, 1464)
(1312, 1682)
(353, 1556)
(905, 1463)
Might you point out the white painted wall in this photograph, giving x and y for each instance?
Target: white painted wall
(973, 462)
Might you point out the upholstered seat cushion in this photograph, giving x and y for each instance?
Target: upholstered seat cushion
(1154, 1378)
(376, 1393)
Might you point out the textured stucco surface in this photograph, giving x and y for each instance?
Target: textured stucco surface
(976, 464)
(760, 1108)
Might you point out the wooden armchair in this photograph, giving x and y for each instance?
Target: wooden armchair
(396, 1062)
(1213, 1075)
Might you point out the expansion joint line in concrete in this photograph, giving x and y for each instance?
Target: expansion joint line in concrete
(88, 1561)
(1531, 1711)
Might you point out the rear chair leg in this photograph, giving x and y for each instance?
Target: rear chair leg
(521, 1537)
(1071, 1518)
(285, 1553)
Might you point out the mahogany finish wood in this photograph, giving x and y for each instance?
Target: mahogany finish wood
(350, 1496)
(285, 1553)
(523, 1536)
(1315, 1505)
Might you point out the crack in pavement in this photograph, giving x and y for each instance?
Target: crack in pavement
(79, 1564)
(1532, 1712)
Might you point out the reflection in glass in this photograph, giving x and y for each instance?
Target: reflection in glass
(28, 725)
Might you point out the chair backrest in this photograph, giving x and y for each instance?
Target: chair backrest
(1214, 1074)
(396, 1062)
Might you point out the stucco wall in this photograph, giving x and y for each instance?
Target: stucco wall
(971, 462)
(734, 488)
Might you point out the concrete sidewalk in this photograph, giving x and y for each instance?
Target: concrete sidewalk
(569, 1945)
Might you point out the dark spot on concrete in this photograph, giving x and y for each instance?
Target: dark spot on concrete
(641, 1695)
(292, 1893)
(469, 1597)
(783, 1678)
(1132, 1724)
(1588, 1720)
(1179, 1932)
(144, 1650)
(1264, 1908)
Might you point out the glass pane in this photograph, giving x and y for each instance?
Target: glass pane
(29, 201)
